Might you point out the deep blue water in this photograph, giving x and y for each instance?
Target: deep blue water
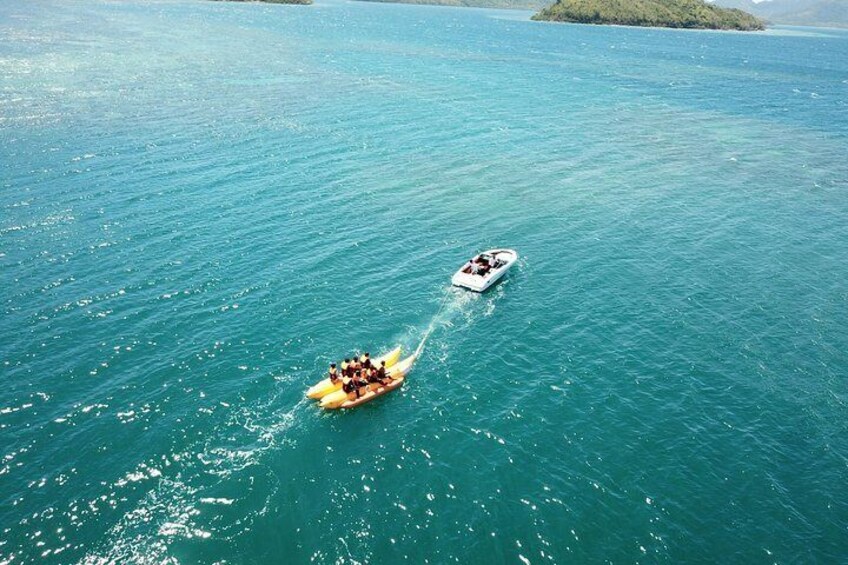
(204, 203)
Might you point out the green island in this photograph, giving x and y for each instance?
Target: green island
(695, 14)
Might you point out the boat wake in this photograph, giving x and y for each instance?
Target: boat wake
(174, 488)
(455, 305)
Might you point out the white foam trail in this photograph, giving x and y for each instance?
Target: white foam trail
(451, 305)
(233, 447)
(420, 347)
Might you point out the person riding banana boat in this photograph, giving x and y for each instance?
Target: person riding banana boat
(347, 385)
(379, 376)
(351, 385)
(362, 380)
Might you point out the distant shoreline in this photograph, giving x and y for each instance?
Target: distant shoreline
(540, 6)
(675, 14)
(530, 6)
(298, 2)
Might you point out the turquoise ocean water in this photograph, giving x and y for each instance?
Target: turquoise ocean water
(202, 204)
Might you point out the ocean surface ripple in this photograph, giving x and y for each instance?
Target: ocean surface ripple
(204, 203)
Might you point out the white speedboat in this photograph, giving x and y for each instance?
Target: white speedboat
(485, 269)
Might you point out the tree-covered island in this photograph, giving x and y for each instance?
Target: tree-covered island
(695, 14)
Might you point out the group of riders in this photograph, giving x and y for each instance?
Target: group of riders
(357, 373)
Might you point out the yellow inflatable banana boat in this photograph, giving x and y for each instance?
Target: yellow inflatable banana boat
(326, 386)
(339, 399)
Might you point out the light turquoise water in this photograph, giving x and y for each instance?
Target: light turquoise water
(204, 203)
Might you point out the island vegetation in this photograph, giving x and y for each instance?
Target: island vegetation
(695, 14)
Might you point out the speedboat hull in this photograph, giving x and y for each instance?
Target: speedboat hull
(479, 282)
